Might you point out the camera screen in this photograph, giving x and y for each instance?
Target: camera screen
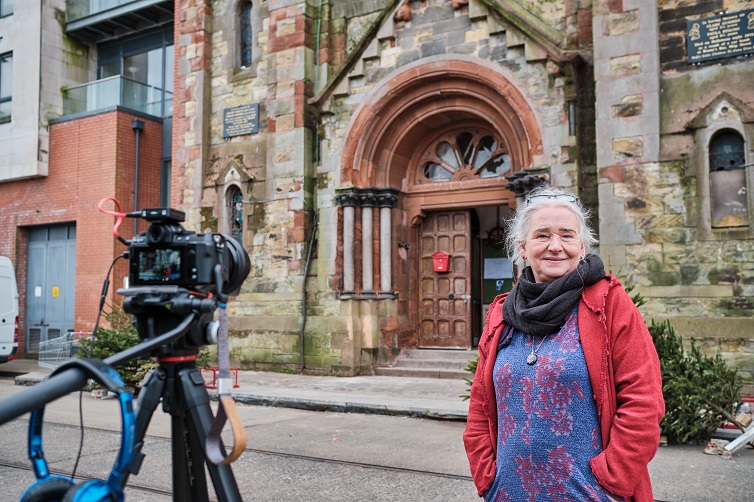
(159, 265)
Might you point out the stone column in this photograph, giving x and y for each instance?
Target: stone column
(367, 237)
(348, 202)
(386, 202)
(627, 86)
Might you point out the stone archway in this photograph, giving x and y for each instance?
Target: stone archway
(426, 96)
(383, 149)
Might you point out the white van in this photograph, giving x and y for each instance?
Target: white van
(8, 311)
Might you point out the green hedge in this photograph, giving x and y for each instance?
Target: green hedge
(120, 336)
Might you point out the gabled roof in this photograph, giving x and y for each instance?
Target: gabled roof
(701, 119)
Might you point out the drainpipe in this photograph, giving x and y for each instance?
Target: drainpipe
(312, 239)
(138, 126)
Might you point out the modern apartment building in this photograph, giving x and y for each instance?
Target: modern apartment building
(85, 114)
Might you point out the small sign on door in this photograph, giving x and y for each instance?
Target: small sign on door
(55, 291)
(498, 268)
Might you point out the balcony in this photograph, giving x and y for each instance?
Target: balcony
(117, 91)
(102, 20)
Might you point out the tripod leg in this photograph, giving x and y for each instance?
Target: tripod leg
(189, 480)
(200, 417)
(149, 398)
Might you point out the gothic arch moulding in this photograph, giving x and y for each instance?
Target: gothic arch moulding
(425, 98)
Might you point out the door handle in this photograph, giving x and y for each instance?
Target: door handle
(465, 298)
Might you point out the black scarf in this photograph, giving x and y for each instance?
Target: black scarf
(540, 308)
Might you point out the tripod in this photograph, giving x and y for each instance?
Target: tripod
(176, 382)
(180, 387)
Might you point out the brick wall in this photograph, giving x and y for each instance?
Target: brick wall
(90, 158)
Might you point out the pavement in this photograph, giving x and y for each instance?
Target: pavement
(382, 395)
(679, 472)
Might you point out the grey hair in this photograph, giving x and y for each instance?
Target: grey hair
(547, 196)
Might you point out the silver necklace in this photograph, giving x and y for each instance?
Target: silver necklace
(531, 359)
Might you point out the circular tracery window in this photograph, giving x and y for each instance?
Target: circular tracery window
(463, 156)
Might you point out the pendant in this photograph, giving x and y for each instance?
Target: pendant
(531, 359)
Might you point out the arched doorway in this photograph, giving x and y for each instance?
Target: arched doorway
(442, 135)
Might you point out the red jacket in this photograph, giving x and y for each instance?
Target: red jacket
(624, 371)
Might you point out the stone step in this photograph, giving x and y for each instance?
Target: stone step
(464, 355)
(431, 363)
(442, 373)
(409, 362)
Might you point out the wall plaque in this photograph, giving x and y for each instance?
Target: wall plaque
(241, 120)
(721, 36)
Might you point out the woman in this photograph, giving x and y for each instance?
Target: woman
(567, 397)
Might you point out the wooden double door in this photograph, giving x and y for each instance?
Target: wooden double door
(449, 301)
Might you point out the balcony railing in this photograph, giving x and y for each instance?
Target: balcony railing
(77, 9)
(101, 20)
(117, 91)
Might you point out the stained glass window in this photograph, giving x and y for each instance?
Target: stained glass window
(728, 191)
(234, 212)
(246, 34)
(465, 155)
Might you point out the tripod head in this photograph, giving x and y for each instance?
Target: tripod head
(159, 309)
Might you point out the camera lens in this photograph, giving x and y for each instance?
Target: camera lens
(238, 267)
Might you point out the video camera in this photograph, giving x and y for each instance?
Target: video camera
(168, 255)
(175, 275)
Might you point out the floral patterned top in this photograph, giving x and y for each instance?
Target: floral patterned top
(547, 421)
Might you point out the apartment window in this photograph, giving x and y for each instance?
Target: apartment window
(6, 86)
(245, 33)
(727, 180)
(6, 8)
(147, 64)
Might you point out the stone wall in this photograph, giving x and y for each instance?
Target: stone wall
(655, 230)
(622, 132)
(289, 172)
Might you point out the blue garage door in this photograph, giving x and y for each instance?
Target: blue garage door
(50, 286)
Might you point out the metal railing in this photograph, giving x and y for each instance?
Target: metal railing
(78, 9)
(117, 91)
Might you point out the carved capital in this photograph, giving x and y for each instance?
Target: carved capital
(347, 199)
